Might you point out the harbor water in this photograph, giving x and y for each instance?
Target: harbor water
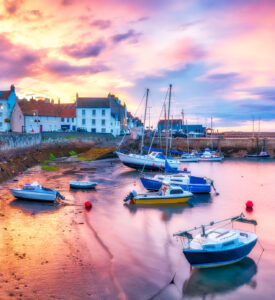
(122, 251)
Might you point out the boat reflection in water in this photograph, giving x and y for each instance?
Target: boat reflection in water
(211, 282)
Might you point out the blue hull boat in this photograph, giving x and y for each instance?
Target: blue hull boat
(196, 185)
(198, 258)
(215, 247)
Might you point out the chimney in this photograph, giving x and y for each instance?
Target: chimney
(12, 88)
(58, 101)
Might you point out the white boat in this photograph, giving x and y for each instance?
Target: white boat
(36, 191)
(218, 246)
(153, 161)
(208, 156)
(82, 184)
(188, 158)
(167, 195)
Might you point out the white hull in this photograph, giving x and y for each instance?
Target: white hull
(191, 159)
(210, 158)
(18, 193)
(146, 161)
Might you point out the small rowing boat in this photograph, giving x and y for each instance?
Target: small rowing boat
(218, 246)
(167, 195)
(82, 184)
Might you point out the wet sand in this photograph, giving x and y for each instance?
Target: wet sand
(117, 251)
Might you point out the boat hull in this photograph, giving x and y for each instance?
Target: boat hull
(208, 259)
(161, 200)
(211, 159)
(37, 196)
(195, 159)
(144, 161)
(257, 156)
(155, 185)
(75, 185)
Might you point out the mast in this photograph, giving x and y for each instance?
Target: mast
(145, 111)
(169, 104)
(182, 115)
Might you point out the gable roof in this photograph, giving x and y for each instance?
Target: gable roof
(83, 102)
(174, 121)
(67, 110)
(40, 107)
(4, 95)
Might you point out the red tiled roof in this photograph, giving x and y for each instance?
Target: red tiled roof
(5, 95)
(41, 108)
(68, 112)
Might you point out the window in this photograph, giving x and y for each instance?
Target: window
(1, 114)
(83, 112)
(93, 121)
(94, 112)
(62, 119)
(68, 120)
(1, 106)
(1, 124)
(103, 112)
(174, 192)
(111, 130)
(72, 120)
(19, 117)
(103, 122)
(83, 121)
(103, 130)
(93, 130)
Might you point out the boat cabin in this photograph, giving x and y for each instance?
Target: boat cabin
(157, 155)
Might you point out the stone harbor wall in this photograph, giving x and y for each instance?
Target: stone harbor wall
(10, 141)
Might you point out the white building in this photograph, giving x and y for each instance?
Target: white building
(104, 115)
(68, 116)
(7, 102)
(35, 116)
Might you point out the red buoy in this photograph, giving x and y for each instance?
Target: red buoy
(185, 169)
(153, 164)
(12, 172)
(19, 173)
(249, 204)
(161, 166)
(88, 204)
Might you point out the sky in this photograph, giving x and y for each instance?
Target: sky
(219, 55)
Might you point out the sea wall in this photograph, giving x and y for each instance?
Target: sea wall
(9, 141)
(231, 147)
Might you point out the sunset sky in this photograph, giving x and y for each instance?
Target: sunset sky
(218, 54)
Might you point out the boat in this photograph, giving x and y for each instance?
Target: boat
(208, 156)
(262, 154)
(82, 184)
(36, 191)
(154, 161)
(167, 195)
(218, 246)
(185, 181)
(188, 158)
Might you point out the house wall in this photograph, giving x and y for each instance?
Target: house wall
(4, 114)
(17, 119)
(68, 122)
(47, 123)
(90, 119)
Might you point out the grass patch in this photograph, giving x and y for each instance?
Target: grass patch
(52, 156)
(95, 153)
(72, 153)
(49, 168)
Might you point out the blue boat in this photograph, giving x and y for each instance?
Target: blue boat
(219, 246)
(187, 182)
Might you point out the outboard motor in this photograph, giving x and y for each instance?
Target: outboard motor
(130, 196)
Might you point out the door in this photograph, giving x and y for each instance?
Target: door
(41, 128)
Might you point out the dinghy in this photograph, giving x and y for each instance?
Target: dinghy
(82, 184)
(36, 191)
(262, 154)
(167, 195)
(219, 246)
(208, 156)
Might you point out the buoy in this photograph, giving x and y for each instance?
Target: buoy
(12, 172)
(185, 169)
(19, 173)
(153, 164)
(88, 204)
(161, 166)
(135, 184)
(249, 204)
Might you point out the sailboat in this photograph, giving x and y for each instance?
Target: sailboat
(154, 161)
(218, 246)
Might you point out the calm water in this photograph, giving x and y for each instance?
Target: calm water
(135, 246)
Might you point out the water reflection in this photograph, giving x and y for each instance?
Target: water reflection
(34, 207)
(203, 282)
